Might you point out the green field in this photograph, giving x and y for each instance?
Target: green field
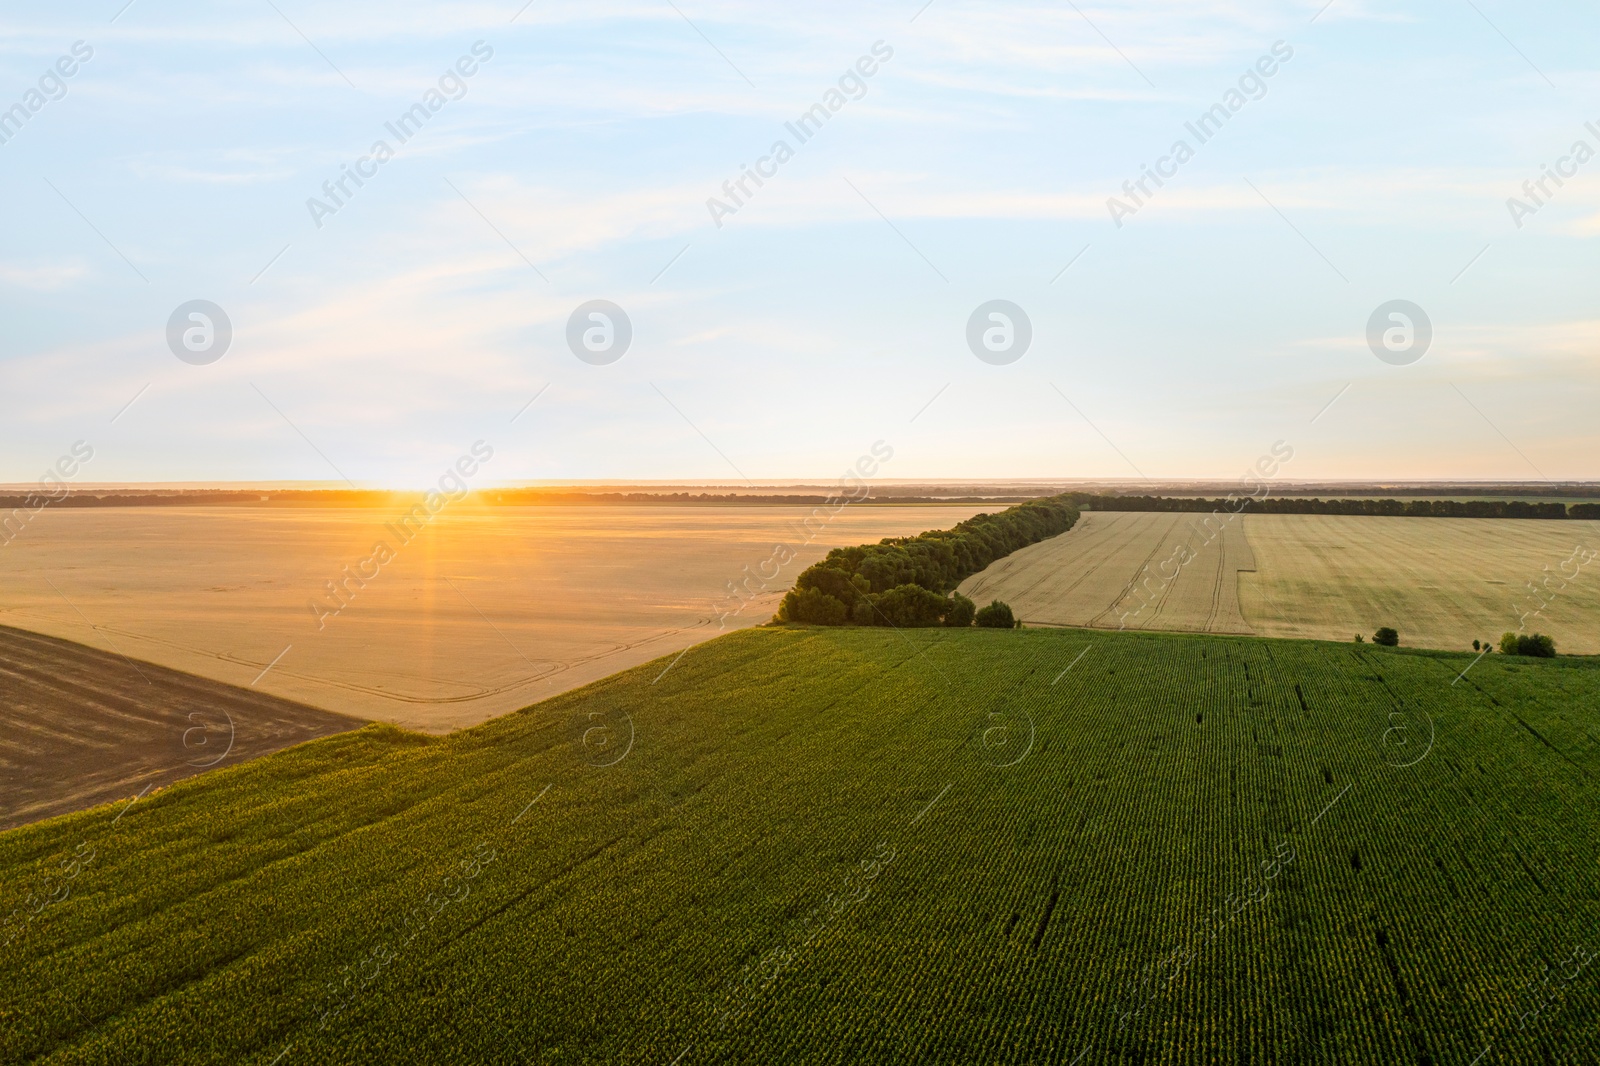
(848, 845)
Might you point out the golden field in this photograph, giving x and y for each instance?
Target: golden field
(1442, 582)
(1118, 569)
(485, 611)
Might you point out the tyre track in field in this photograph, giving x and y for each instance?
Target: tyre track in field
(1161, 601)
(1226, 571)
(1166, 590)
(1216, 585)
(1108, 528)
(1127, 589)
(1081, 577)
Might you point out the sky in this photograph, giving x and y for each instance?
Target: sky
(782, 331)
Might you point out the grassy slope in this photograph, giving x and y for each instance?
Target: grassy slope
(766, 766)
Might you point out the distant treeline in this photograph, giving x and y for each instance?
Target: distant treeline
(538, 497)
(492, 497)
(527, 497)
(903, 581)
(1375, 508)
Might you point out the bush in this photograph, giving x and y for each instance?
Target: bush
(960, 612)
(1536, 645)
(1476, 646)
(996, 616)
(1387, 637)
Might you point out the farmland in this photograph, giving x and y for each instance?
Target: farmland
(486, 611)
(83, 727)
(863, 845)
(1092, 576)
(1443, 582)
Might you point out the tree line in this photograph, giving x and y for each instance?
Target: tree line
(909, 581)
(1375, 508)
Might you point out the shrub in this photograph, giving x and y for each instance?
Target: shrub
(1360, 639)
(960, 612)
(1535, 645)
(1476, 646)
(1387, 637)
(996, 616)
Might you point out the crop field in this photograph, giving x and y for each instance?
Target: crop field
(81, 727)
(1126, 570)
(484, 612)
(862, 845)
(1443, 582)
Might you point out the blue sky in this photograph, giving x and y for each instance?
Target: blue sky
(829, 310)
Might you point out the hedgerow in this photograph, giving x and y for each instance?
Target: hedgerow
(904, 581)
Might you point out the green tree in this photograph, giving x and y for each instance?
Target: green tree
(1387, 637)
(996, 616)
(813, 607)
(960, 612)
(1535, 645)
(909, 606)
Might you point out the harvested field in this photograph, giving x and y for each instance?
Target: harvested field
(1126, 569)
(81, 727)
(484, 612)
(1442, 582)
